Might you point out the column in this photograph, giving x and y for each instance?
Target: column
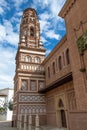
(20, 120)
(30, 122)
(37, 122)
(25, 122)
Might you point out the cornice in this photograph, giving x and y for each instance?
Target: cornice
(66, 8)
(65, 79)
(34, 49)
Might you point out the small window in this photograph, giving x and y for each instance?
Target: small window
(31, 31)
(53, 67)
(37, 60)
(28, 58)
(60, 63)
(48, 72)
(24, 85)
(67, 57)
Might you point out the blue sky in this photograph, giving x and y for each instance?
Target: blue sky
(51, 25)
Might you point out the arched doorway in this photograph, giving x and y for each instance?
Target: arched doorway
(63, 118)
(61, 114)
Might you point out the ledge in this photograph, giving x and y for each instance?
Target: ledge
(57, 83)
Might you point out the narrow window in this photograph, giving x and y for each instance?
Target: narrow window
(67, 57)
(31, 31)
(63, 59)
(48, 72)
(53, 67)
(60, 63)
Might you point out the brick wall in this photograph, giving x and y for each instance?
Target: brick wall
(78, 120)
(52, 98)
(76, 14)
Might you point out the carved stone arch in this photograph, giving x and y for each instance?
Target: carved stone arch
(60, 103)
(61, 112)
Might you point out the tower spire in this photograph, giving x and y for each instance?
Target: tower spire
(30, 29)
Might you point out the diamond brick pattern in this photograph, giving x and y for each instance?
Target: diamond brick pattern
(31, 98)
(32, 109)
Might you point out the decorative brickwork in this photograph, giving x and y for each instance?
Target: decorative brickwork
(31, 98)
(32, 109)
(72, 100)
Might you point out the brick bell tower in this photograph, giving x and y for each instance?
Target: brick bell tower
(29, 76)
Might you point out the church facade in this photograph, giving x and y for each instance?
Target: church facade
(54, 87)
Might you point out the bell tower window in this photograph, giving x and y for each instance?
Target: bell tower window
(28, 59)
(37, 60)
(31, 31)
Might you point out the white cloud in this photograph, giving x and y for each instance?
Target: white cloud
(3, 3)
(6, 81)
(7, 33)
(2, 33)
(49, 20)
(19, 13)
(16, 18)
(7, 67)
(56, 6)
(48, 51)
(5, 78)
(52, 35)
(44, 16)
(44, 25)
(18, 3)
(1, 10)
(12, 38)
(43, 39)
(3, 6)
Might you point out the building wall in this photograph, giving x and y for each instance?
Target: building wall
(66, 94)
(59, 51)
(73, 18)
(76, 24)
(9, 97)
(78, 120)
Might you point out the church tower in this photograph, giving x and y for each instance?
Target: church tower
(29, 77)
